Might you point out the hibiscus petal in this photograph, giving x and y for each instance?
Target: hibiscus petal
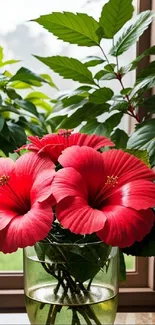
(42, 186)
(127, 167)
(26, 230)
(124, 226)
(93, 141)
(139, 195)
(68, 182)
(53, 151)
(6, 216)
(78, 216)
(124, 168)
(88, 162)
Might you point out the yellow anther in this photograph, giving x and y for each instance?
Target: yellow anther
(112, 180)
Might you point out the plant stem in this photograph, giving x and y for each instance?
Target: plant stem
(49, 315)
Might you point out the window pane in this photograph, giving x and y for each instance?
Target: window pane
(13, 262)
(130, 262)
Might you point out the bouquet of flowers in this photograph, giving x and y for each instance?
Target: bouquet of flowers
(67, 178)
(67, 189)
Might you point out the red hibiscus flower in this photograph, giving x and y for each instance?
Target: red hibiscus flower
(109, 193)
(54, 144)
(25, 207)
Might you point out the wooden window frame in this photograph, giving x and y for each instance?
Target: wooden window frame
(138, 293)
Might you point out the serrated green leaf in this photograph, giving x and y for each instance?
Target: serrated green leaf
(2, 121)
(119, 106)
(19, 85)
(36, 94)
(104, 75)
(101, 96)
(49, 79)
(17, 134)
(92, 61)
(114, 15)
(43, 104)
(2, 64)
(131, 35)
(141, 154)
(27, 105)
(150, 51)
(90, 127)
(110, 67)
(68, 68)
(84, 113)
(144, 139)
(143, 85)
(1, 53)
(109, 125)
(12, 94)
(27, 76)
(147, 72)
(126, 91)
(122, 266)
(149, 103)
(120, 138)
(144, 248)
(77, 28)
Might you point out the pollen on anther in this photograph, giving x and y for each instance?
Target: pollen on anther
(112, 180)
(4, 179)
(65, 133)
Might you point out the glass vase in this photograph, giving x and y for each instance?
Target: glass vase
(71, 284)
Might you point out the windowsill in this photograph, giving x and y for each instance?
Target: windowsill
(121, 319)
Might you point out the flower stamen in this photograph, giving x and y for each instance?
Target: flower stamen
(4, 180)
(112, 180)
(65, 133)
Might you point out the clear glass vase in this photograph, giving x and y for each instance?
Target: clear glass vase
(71, 284)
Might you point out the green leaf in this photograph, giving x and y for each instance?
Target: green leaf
(119, 106)
(122, 268)
(146, 72)
(120, 138)
(110, 67)
(43, 104)
(144, 139)
(141, 154)
(101, 96)
(26, 105)
(92, 61)
(90, 127)
(49, 79)
(150, 51)
(126, 91)
(36, 94)
(149, 103)
(143, 85)
(68, 68)
(3, 80)
(17, 134)
(1, 53)
(144, 248)
(109, 125)
(84, 113)
(27, 76)
(105, 75)
(19, 85)
(12, 94)
(114, 15)
(2, 121)
(77, 28)
(131, 35)
(2, 64)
